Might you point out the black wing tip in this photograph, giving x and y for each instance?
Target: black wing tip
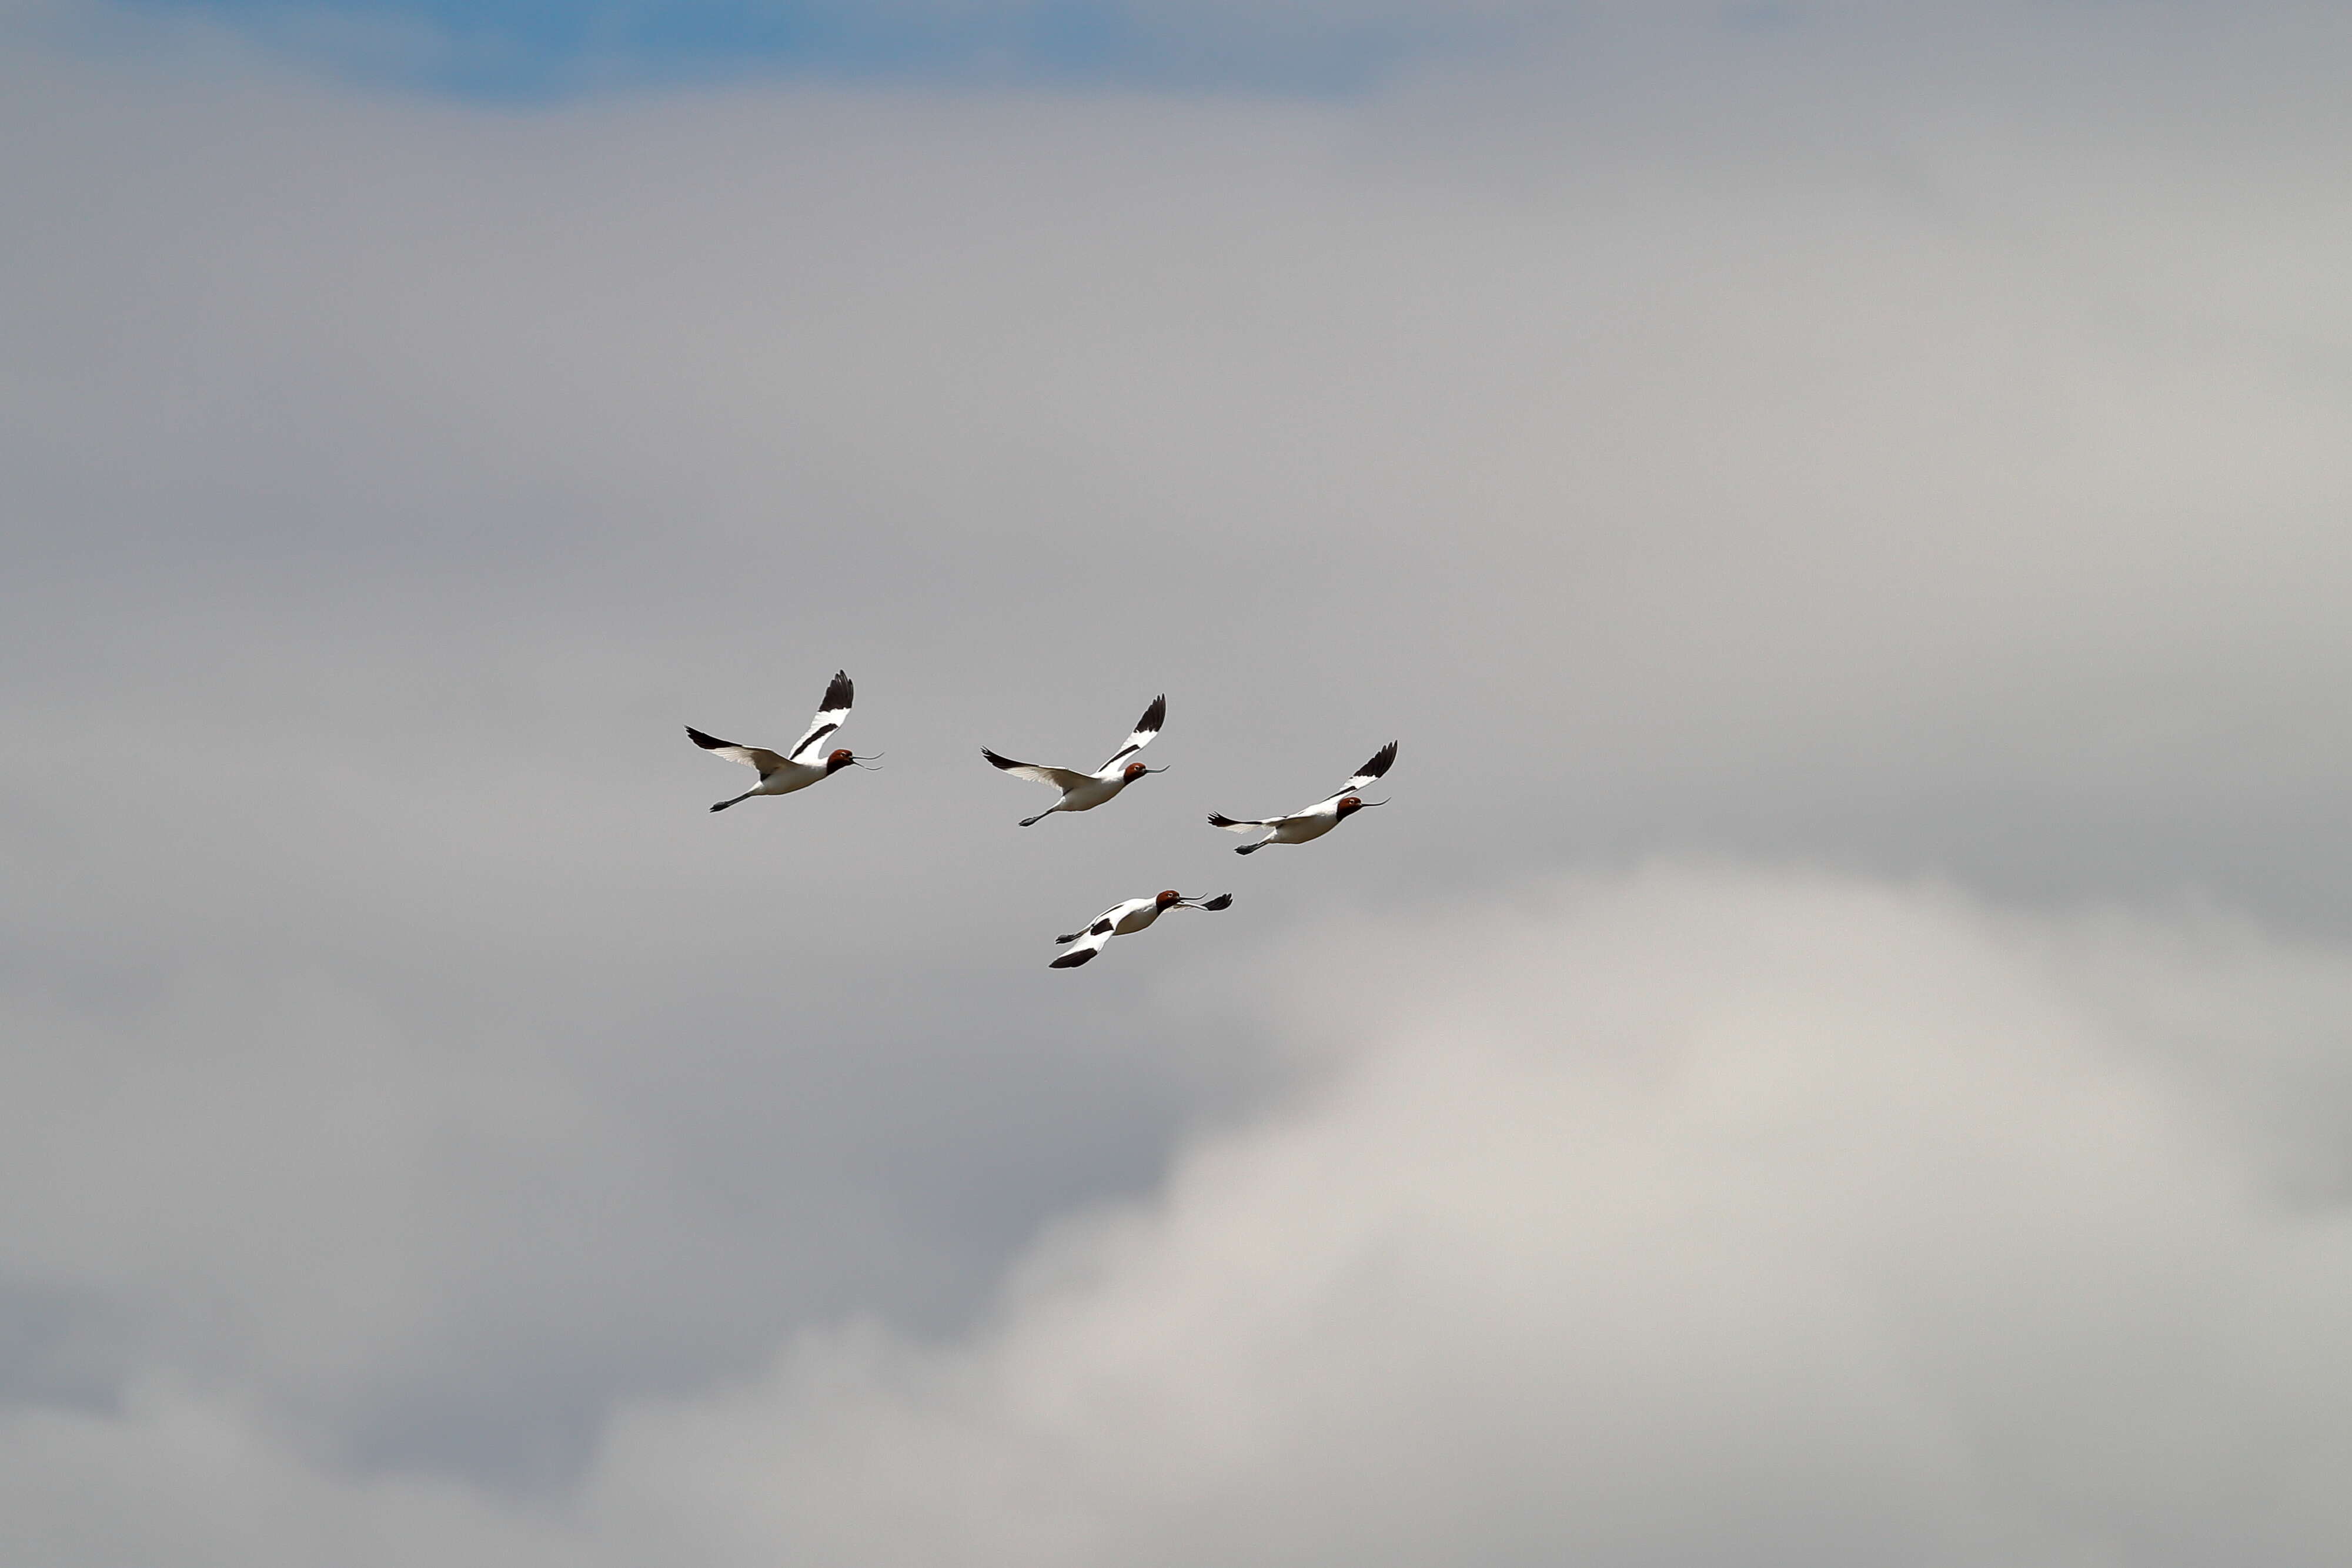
(1154, 716)
(1000, 761)
(839, 693)
(1379, 765)
(1219, 820)
(1072, 960)
(707, 742)
(1062, 941)
(1223, 901)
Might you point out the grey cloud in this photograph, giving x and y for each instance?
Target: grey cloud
(1806, 447)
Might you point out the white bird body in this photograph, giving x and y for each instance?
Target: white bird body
(790, 777)
(808, 762)
(1316, 820)
(1301, 826)
(1135, 915)
(1125, 920)
(1085, 791)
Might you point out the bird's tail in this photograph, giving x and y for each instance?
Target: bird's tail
(1244, 850)
(744, 796)
(1033, 821)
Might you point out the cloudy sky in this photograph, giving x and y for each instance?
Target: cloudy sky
(1840, 1056)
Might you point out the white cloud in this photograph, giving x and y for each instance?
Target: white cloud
(1700, 1215)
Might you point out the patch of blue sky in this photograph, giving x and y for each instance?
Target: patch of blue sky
(524, 50)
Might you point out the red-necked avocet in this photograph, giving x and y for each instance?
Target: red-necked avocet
(1085, 791)
(1125, 920)
(1317, 820)
(804, 764)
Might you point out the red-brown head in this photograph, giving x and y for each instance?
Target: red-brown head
(1167, 897)
(839, 760)
(1350, 803)
(1135, 770)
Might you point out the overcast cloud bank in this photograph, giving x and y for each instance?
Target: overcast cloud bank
(1697, 1216)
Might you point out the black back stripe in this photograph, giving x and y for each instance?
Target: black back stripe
(1146, 729)
(831, 709)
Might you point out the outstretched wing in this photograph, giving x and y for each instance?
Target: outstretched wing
(1145, 729)
(1085, 948)
(757, 756)
(830, 712)
(1236, 825)
(1098, 926)
(1371, 770)
(1063, 778)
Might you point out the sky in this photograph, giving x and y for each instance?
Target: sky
(1836, 1055)
(533, 52)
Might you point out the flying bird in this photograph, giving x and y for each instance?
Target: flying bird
(1125, 920)
(805, 763)
(1085, 791)
(1317, 820)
